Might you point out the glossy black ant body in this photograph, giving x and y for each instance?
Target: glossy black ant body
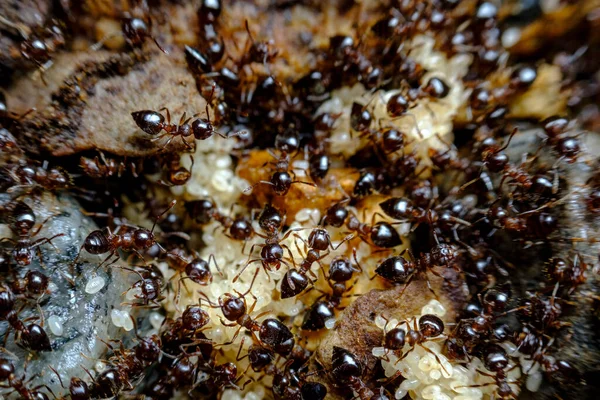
(346, 369)
(152, 123)
(381, 234)
(7, 373)
(104, 241)
(497, 361)
(399, 270)
(31, 176)
(272, 333)
(33, 336)
(39, 47)
(21, 221)
(272, 253)
(428, 327)
(296, 280)
(323, 310)
(281, 180)
(567, 147)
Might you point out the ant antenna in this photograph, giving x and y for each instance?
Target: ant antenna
(171, 205)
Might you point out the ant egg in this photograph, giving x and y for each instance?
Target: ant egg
(434, 307)
(94, 285)
(55, 326)
(378, 352)
(534, 381)
(330, 323)
(400, 394)
(156, 319)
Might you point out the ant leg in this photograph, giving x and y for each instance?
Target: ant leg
(212, 256)
(237, 276)
(437, 358)
(238, 358)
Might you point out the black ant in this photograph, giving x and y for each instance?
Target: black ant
(535, 224)
(197, 270)
(203, 211)
(281, 180)
(381, 234)
(323, 310)
(470, 332)
(347, 369)
(149, 286)
(259, 52)
(272, 252)
(152, 123)
(135, 29)
(271, 332)
(496, 360)
(34, 283)
(33, 336)
(38, 47)
(568, 272)
(54, 178)
(399, 270)
(296, 280)
(7, 373)
(104, 167)
(104, 241)
(21, 222)
(567, 147)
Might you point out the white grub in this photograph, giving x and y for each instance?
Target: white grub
(95, 284)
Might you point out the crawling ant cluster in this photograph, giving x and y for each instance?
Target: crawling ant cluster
(351, 180)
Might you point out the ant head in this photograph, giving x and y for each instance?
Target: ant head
(270, 219)
(232, 307)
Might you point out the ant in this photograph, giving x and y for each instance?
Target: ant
(78, 389)
(148, 288)
(428, 327)
(381, 234)
(104, 241)
(51, 179)
(7, 373)
(39, 47)
(399, 270)
(570, 272)
(177, 174)
(281, 180)
(470, 332)
(202, 211)
(402, 209)
(322, 311)
(535, 224)
(347, 369)
(272, 252)
(134, 29)
(34, 283)
(567, 147)
(272, 333)
(296, 280)
(197, 270)
(496, 360)
(103, 167)
(33, 336)
(259, 52)
(153, 123)
(21, 222)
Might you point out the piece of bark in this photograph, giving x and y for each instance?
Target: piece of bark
(91, 109)
(356, 331)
